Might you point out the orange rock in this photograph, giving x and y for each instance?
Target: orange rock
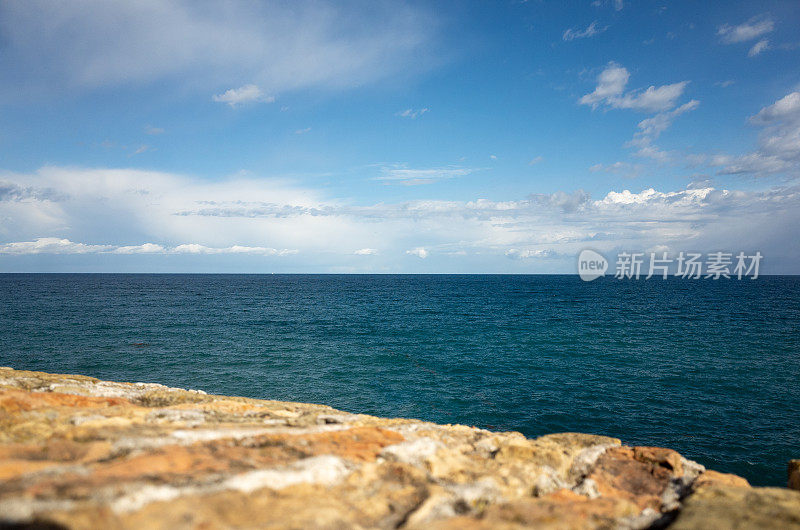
(715, 478)
(358, 443)
(11, 468)
(56, 451)
(660, 456)
(159, 457)
(556, 511)
(170, 460)
(15, 401)
(636, 474)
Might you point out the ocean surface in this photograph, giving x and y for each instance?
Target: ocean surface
(709, 368)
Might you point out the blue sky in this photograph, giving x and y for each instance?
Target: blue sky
(395, 137)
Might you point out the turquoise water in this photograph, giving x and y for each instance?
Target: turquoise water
(710, 368)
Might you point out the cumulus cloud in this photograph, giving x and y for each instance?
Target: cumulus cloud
(610, 84)
(785, 109)
(243, 95)
(590, 31)
(144, 248)
(53, 245)
(610, 91)
(653, 98)
(194, 248)
(778, 149)
(93, 44)
(126, 212)
(756, 163)
(750, 30)
(419, 252)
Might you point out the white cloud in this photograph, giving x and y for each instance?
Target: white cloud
(610, 84)
(624, 169)
(91, 44)
(50, 245)
(54, 245)
(787, 108)
(243, 95)
(651, 196)
(757, 164)
(413, 177)
(106, 212)
(758, 47)
(618, 4)
(651, 128)
(303, 131)
(10, 191)
(153, 130)
(652, 152)
(366, 252)
(778, 149)
(610, 90)
(420, 252)
(652, 99)
(194, 248)
(412, 114)
(750, 30)
(590, 31)
(529, 253)
(535, 160)
(145, 248)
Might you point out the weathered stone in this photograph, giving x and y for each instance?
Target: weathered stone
(557, 510)
(794, 474)
(639, 474)
(77, 452)
(715, 478)
(734, 507)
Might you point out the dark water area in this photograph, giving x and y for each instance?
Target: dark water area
(709, 368)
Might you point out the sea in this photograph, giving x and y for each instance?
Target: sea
(710, 368)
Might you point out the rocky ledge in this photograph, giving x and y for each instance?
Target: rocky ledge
(77, 452)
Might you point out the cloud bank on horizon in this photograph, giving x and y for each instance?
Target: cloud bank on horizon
(191, 136)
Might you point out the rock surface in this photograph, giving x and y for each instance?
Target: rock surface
(794, 474)
(76, 452)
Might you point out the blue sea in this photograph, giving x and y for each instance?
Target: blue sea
(709, 368)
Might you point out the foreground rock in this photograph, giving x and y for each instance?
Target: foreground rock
(77, 452)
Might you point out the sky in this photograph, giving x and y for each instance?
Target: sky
(395, 137)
